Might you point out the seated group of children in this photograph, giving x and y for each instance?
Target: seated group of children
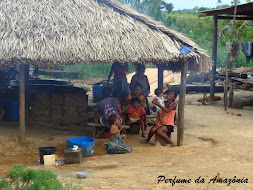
(164, 122)
(137, 114)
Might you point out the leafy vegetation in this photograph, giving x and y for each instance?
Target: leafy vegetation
(153, 8)
(30, 179)
(90, 70)
(94, 70)
(199, 29)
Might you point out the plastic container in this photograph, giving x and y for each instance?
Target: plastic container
(244, 76)
(46, 151)
(73, 156)
(50, 160)
(11, 107)
(82, 175)
(84, 142)
(97, 92)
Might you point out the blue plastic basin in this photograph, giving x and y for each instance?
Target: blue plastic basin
(84, 142)
(97, 92)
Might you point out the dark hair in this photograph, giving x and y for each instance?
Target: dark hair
(106, 92)
(137, 84)
(111, 119)
(140, 66)
(175, 93)
(135, 100)
(158, 91)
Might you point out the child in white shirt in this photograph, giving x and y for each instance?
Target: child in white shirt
(159, 97)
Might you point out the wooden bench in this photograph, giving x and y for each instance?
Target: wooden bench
(151, 116)
(135, 128)
(96, 127)
(151, 119)
(101, 129)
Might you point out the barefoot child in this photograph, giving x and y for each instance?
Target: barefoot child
(113, 120)
(137, 114)
(117, 144)
(168, 119)
(160, 99)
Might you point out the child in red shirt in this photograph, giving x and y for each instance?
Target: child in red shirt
(137, 114)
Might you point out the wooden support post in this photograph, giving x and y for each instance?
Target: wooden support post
(36, 71)
(227, 62)
(180, 121)
(160, 76)
(27, 104)
(214, 57)
(22, 103)
(231, 94)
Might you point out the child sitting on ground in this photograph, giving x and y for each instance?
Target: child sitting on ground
(160, 99)
(113, 120)
(117, 144)
(137, 114)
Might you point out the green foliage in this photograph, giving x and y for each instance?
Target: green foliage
(4, 183)
(203, 9)
(90, 70)
(95, 70)
(71, 186)
(30, 179)
(153, 8)
(242, 30)
(223, 6)
(200, 30)
(233, 2)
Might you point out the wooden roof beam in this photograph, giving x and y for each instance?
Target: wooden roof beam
(237, 18)
(230, 10)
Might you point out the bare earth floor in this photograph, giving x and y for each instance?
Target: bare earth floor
(216, 143)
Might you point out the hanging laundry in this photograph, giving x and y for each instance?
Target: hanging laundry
(234, 49)
(247, 50)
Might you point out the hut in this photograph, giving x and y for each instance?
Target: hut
(241, 12)
(55, 32)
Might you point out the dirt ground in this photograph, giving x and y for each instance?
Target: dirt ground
(216, 143)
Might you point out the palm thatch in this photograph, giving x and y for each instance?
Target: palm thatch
(55, 32)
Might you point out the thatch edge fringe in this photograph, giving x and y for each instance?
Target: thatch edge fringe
(159, 26)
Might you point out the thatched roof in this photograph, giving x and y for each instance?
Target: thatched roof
(49, 32)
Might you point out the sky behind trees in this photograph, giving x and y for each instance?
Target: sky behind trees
(190, 4)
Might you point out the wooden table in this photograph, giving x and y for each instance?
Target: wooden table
(247, 81)
(231, 91)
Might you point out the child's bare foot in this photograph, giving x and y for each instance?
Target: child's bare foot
(172, 145)
(143, 135)
(144, 141)
(146, 132)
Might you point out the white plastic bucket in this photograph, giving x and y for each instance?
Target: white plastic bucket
(50, 160)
